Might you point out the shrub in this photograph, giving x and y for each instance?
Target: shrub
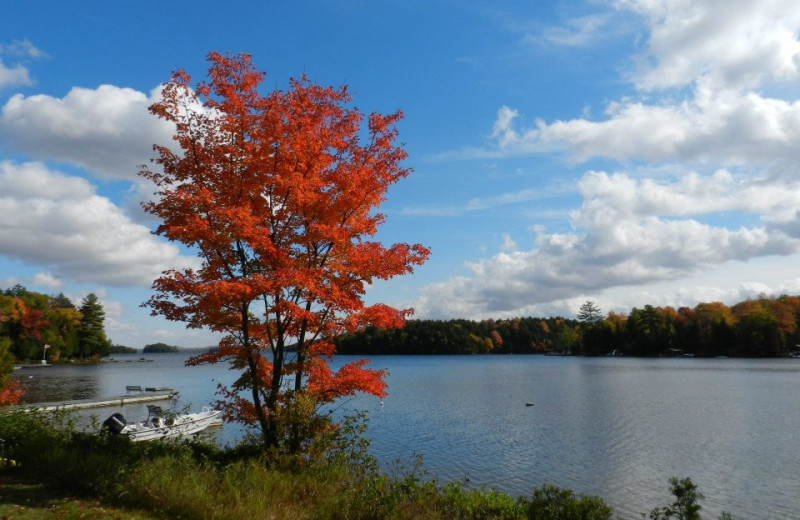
(553, 503)
(188, 479)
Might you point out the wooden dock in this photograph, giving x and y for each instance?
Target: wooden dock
(161, 395)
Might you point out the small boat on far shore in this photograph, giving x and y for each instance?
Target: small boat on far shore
(158, 425)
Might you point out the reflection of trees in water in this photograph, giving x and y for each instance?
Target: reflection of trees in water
(41, 387)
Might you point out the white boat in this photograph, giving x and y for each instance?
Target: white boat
(159, 426)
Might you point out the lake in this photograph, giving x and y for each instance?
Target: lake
(613, 427)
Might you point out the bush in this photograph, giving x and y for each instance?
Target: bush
(480, 504)
(188, 479)
(685, 506)
(553, 503)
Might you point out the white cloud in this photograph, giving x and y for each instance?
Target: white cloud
(56, 221)
(723, 43)
(705, 93)
(724, 127)
(46, 280)
(107, 130)
(21, 49)
(609, 198)
(627, 233)
(15, 76)
(503, 130)
(722, 283)
(698, 91)
(508, 244)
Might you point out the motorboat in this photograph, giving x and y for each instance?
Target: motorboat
(159, 425)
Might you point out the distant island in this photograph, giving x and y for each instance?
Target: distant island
(159, 348)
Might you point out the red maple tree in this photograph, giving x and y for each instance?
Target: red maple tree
(10, 391)
(278, 194)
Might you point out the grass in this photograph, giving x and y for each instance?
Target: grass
(49, 470)
(22, 499)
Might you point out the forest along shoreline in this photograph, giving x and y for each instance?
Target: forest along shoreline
(765, 327)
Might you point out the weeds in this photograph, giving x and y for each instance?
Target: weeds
(191, 480)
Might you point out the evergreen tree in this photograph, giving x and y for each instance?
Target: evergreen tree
(92, 340)
(590, 313)
(61, 302)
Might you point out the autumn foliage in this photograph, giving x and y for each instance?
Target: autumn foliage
(10, 391)
(278, 194)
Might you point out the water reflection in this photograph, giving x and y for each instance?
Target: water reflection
(46, 384)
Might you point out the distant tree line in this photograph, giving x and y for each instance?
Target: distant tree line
(122, 349)
(518, 335)
(30, 320)
(763, 327)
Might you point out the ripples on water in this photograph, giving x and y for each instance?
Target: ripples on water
(614, 427)
(618, 428)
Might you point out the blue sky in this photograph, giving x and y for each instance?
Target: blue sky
(626, 152)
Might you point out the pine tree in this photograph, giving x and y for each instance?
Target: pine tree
(92, 336)
(61, 302)
(590, 313)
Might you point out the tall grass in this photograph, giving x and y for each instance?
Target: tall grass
(190, 480)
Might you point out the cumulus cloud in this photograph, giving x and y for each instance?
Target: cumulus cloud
(59, 222)
(723, 43)
(616, 197)
(725, 127)
(712, 91)
(627, 232)
(107, 130)
(697, 91)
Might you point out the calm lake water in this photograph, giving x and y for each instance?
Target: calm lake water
(613, 427)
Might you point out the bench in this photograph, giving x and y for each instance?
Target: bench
(133, 388)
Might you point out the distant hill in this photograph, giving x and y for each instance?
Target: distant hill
(159, 348)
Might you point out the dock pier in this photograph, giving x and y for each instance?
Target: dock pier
(160, 395)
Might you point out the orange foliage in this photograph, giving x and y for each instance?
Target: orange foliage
(31, 321)
(544, 327)
(711, 314)
(278, 193)
(326, 386)
(11, 393)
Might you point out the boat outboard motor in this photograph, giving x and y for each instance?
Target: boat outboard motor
(115, 423)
